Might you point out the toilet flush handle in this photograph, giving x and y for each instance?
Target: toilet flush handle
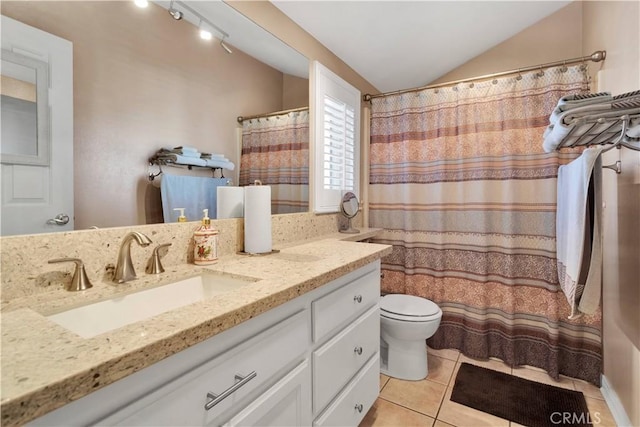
(358, 350)
(359, 407)
(358, 298)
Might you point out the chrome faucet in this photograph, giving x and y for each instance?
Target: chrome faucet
(124, 265)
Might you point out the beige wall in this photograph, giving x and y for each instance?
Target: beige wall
(614, 26)
(295, 92)
(143, 81)
(554, 38)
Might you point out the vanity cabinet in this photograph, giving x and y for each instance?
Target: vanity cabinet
(313, 360)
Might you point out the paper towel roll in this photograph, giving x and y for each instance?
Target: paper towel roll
(257, 219)
(230, 202)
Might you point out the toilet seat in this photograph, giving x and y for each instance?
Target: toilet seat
(409, 308)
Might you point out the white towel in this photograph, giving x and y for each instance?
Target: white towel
(186, 149)
(193, 193)
(633, 130)
(217, 163)
(579, 247)
(570, 102)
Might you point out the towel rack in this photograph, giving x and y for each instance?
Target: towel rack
(614, 135)
(617, 127)
(163, 162)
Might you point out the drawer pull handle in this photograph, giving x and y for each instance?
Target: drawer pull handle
(217, 398)
(358, 298)
(358, 350)
(359, 407)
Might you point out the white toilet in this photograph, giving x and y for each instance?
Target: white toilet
(406, 321)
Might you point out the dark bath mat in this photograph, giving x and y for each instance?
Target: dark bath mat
(519, 400)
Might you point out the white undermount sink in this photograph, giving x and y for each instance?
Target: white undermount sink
(94, 319)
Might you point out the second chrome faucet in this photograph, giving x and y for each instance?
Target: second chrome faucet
(124, 265)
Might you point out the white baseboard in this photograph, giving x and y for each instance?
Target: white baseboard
(614, 404)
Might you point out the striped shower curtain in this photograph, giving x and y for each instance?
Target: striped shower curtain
(465, 194)
(275, 150)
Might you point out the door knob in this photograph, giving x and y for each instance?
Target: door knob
(60, 219)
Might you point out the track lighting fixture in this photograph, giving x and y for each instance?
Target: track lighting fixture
(179, 10)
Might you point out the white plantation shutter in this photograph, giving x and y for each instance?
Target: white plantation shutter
(339, 145)
(337, 140)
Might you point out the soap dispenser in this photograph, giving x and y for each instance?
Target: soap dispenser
(205, 250)
(181, 218)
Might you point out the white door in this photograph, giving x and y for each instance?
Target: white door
(37, 184)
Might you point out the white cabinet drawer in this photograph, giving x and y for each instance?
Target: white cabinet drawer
(182, 402)
(336, 362)
(287, 403)
(345, 303)
(356, 399)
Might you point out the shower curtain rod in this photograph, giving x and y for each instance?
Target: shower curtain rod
(276, 113)
(597, 56)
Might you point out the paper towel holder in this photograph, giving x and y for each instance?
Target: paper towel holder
(349, 208)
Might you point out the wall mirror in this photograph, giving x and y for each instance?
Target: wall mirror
(25, 112)
(143, 80)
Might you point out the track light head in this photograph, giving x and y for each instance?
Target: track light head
(225, 47)
(175, 14)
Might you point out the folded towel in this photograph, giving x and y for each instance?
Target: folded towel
(186, 149)
(555, 135)
(213, 156)
(215, 163)
(626, 95)
(579, 246)
(633, 130)
(570, 102)
(180, 159)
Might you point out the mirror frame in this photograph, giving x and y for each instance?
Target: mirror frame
(42, 112)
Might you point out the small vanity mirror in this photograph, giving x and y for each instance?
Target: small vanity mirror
(349, 208)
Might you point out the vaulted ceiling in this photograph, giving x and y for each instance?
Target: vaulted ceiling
(404, 44)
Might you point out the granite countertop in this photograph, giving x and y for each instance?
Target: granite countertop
(45, 366)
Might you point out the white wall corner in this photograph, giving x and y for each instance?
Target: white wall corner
(614, 404)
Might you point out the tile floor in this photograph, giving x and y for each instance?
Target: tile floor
(427, 403)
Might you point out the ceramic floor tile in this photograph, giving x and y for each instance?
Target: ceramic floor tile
(588, 389)
(384, 413)
(543, 377)
(462, 416)
(439, 423)
(383, 381)
(450, 354)
(600, 414)
(440, 369)
(422, 396)
(496, 365)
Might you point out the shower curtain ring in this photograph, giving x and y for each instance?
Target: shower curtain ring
(519, 76)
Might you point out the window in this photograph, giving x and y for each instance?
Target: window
(337, 142)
